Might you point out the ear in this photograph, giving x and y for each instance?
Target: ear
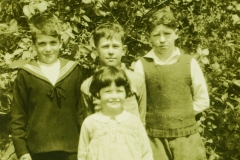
(124, 49)
(95, 51)
(176, 33)
(60, 44)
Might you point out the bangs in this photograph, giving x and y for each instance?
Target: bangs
(105, 76)
(107, 79)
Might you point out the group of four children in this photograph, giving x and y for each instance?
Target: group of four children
(124, 115)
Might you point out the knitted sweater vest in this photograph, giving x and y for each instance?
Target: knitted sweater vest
(169, 100)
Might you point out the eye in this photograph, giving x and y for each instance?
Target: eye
(104, 46)
(156, 35)
(167, 33)
(53, 43)
(121, 90)
(41, 43)
(116, 46)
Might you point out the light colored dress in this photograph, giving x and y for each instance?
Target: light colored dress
(122, 137)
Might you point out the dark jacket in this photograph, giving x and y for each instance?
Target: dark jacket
(45, 117)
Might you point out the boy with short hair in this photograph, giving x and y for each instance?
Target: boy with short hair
(176, 91)
(46, 99)
(109, 42)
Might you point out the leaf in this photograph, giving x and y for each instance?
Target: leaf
(86, 18)
(65, 37)
(18, 51)
(224, 96)
(22, 45)
(13, 25)
(69, 32)
(230, 105)
(93, 55)
(26, 11)
(26, 55)
(215, 66)
(41, 6)
(3, 26)
(204, 60)
(18, 63)
(236, 82)
(235, 18)
(205, 52)
(86, 1)
(31, 9)
(8, 58)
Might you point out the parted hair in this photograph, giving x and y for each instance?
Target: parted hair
(162, 16)
(45, 24)
(107, 75)
(108, 30)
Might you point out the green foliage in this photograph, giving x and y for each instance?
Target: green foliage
(208, 29)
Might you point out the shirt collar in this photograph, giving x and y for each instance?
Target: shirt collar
(151, 54)
(105, 119)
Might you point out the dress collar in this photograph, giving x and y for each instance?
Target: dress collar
(105, 119)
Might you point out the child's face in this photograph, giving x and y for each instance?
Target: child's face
(112, 98)
(163, 39)
(48, 48)
(110, 51)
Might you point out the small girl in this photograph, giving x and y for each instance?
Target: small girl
(112, 133)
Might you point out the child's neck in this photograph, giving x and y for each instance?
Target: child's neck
(47, 64)
(111, 113)
(163, 56)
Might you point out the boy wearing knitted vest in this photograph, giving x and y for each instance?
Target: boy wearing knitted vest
(108, 39)
(176, 92)
(45, 106)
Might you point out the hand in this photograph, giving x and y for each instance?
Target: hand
(26, 157)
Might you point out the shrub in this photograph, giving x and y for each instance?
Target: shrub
(208, 30)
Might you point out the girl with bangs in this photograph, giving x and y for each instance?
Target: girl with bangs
(112, 133)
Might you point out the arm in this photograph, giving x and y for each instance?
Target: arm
(139, 68)
(80, 109)
(86, 98)
(19, 118)
(200, 92)
(145, 144)
(142, 99)
(84, 141)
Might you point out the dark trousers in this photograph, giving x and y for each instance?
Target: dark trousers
(58, 155)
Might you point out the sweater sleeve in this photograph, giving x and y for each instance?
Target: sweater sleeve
(80, 110)
(19, 117)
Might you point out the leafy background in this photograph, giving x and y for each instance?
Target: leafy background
(208, 30)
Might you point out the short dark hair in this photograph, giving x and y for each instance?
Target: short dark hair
(107, 75)
(162, 16)
(46, 24)
(108, 30)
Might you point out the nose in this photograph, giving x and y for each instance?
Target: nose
(48, 48)
(114, 95)
(162, 39)
(110, 50)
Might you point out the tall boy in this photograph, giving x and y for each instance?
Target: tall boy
(46, 99)
(109, 42)
(176, 91)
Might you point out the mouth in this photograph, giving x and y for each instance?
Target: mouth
(163, 46)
